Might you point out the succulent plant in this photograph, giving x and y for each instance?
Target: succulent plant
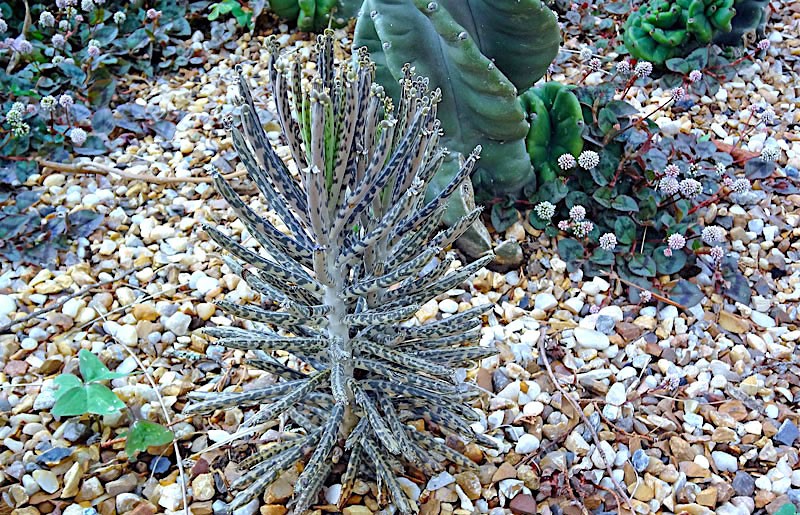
(660, 29)
(362, 255)
(747, 25)
(556, 124)
(315, 15)
(480, 53)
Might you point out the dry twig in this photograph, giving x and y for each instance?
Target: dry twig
(577, 408)
(60, 302)
(98, 169)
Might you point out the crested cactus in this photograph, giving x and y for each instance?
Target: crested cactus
(362, 255)
(660, 29)
(747, 25)
(315, 15)
(556, 127)
(480, 53)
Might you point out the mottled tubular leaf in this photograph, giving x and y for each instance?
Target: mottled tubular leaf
(271, 411)
(386, 476)
(376, 422)
(266, 317)
(319, 458)
(247, 398)
(381, 317)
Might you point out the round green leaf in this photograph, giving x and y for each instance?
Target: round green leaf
(71, 402)
(642, 265)
(669, 265)
(101, 400)
(92, 369)
(144, 434)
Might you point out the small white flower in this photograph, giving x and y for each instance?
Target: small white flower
(608, 241)
(588, 159)
(585, 53)
(88, 6)
(713, 234)
(770, 153)
(767, 114)
(595, 64)
(93, 51)
(623, 67)
(119, 17)
(695, 75)
(545, 210)
(643, 69)
(63, 25)
(741, 185)
(690, 188)
(645, 296)
(668, 186)
(577, 213)
(566, 161)
(672, 170)
(720, 168)
(65, 101)
(716, 253)
(46, 19)
(78, 136)
(763, 44)
(3, 25)
(676, 241)
(678, 94)
(582, 229)
(21, 129)
(24, 47)
(57, 40)
(48, 103)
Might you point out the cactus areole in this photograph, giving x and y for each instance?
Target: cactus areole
(340, 288)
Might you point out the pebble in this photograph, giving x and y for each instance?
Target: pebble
(440, 481)
(787, 433)
(171, 497)
(640, 460)
(7, 305)
(591, 339)
(203, 487)
(545, 302)
(526, 444)
(72, 481)
(448, 306)
(725, 462)
(743, 484)
(46, 480)
(126, 334)
(617, 395)
(178, 323)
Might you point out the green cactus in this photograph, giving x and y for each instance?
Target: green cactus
(751, 17)
(315, 15)
(556, 123)
(661, 29)
(479, 53)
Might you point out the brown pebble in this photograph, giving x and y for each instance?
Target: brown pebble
(505, 471)
(523, 504)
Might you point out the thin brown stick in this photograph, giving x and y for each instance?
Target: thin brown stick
(178, 457)
(98, 169)
(656, 296)
(60, 302)
(584, 418)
